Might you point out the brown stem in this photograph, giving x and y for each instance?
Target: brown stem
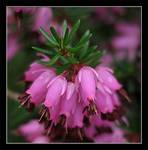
(12, 95)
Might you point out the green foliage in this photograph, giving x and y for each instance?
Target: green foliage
(64, 28)
(65, 51)
(55, 35)
(73, 31)
(51, 41)
(42, 50)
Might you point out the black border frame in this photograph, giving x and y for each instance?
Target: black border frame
(5, 3)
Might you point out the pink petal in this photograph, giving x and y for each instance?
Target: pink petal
(56, 88)
(39, 87)
(104, 102)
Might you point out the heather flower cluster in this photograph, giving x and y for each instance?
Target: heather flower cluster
(69, 99)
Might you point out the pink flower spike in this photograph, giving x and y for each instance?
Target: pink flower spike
(56, 88)
(107, 78)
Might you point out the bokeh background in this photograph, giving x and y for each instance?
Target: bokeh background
(116, 30)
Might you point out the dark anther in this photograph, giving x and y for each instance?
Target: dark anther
(59, 133)
(79, 133)
(125, 95)
(30, 107)
(86, 121)
(85, 109)
(62, 120)
(45, 115)
(47, 124)
(103, 116)
(115, 115)
(50, 129)
(92, 108)
(24, 100)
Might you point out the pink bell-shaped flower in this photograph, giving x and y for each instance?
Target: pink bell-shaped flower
(86, 83)
(104, 102)
(76, 119)
(37, 91)
(35, 69)
(87, 80)
(106, 77)
(68, 102)
(56, 88)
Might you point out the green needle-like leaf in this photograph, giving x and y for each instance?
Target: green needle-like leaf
(83, 41)
(60, 69)
(93, 48)
(43, 62)
(66, 37)
(84, 38)
(87, 52)
(73, 31)
(54, 60)
(75, 49)
(42, 50)
(81, 52)
(64, 28)
(54, 34)
(51, 42)
(92, 55)
(72, 59)
(63, 59)
(84, 51)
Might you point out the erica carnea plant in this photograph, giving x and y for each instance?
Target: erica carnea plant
(72, 87)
